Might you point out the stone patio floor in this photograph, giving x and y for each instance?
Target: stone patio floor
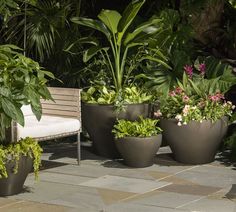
(103, 185)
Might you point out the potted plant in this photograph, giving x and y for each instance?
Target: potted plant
(22, 82)
(16, 161)
(137, 141)
(194, 117)
(125, 53)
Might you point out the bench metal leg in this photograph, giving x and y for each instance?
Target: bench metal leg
(78, 149)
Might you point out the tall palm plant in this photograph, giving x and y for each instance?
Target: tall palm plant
(121, 39)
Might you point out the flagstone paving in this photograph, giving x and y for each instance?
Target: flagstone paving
(103, 185)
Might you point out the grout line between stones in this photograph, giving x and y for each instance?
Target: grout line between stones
(204, 197)
(11, 204)
(171, 175)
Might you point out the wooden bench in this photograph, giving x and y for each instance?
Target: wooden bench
(59, 119)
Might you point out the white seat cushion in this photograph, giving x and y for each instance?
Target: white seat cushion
(47, 126)
(26, 110)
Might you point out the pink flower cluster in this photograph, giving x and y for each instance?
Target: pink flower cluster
(217, 97)
(175, 92)
(185, 98)
(179, 91)
(189, 71)
(202, 68)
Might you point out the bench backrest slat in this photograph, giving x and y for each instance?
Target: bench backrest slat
(66, 102)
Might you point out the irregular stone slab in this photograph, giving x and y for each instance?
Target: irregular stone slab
(211, 205)
(7, 202)
(63, 178)
(124, 207)
(27, 206)
(110, 196)
(207, 177)
(125, 184)
(191, 189)
(85, 199)
(46, 191)
(164, 199)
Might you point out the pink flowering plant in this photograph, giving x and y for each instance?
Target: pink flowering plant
(195, 100)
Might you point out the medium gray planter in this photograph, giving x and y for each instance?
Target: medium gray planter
(14, 183)
(99, 120)
(138, 152)
(194, 143)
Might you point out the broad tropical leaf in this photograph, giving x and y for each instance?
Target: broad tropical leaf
(111, 19)
(94, 24)
(128, 16)
(157, 60)
(91, 52)
(146, 27)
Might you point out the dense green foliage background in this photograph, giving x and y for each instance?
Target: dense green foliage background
(210, 30)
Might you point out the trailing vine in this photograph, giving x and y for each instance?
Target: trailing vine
(12, 153)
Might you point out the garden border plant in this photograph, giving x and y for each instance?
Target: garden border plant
(137, 141)
(124, 39)
(28, 147)
(22, 82)
(194, 116)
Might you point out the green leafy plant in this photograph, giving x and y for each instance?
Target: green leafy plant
(13, 152)
(103, 95)
(122, 36)
(22, 82)
(140, 128)
(44, 30)
(9, 7)
(177, 41)
(230, 141)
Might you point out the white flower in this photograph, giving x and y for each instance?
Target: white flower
(178, 117)
(179, 124)
(185, 123)
(158, 114)
(194, 107)
(200, 121)
(233, 107)
(186, 109)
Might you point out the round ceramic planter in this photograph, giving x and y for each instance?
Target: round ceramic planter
(99, 120)
(194, 143)
(138, 152)
(13, 184)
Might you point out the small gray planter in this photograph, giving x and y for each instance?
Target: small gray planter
(194, 143)
(138, 152)
(99, 120)
(14, 183)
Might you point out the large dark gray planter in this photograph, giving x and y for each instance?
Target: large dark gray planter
(138, 152)
(99, 120)
(14, 183)
(194, 143)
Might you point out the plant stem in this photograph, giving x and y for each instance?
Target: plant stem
(118, 69)
(112, 69)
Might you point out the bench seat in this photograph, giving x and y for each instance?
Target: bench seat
(48, 127)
